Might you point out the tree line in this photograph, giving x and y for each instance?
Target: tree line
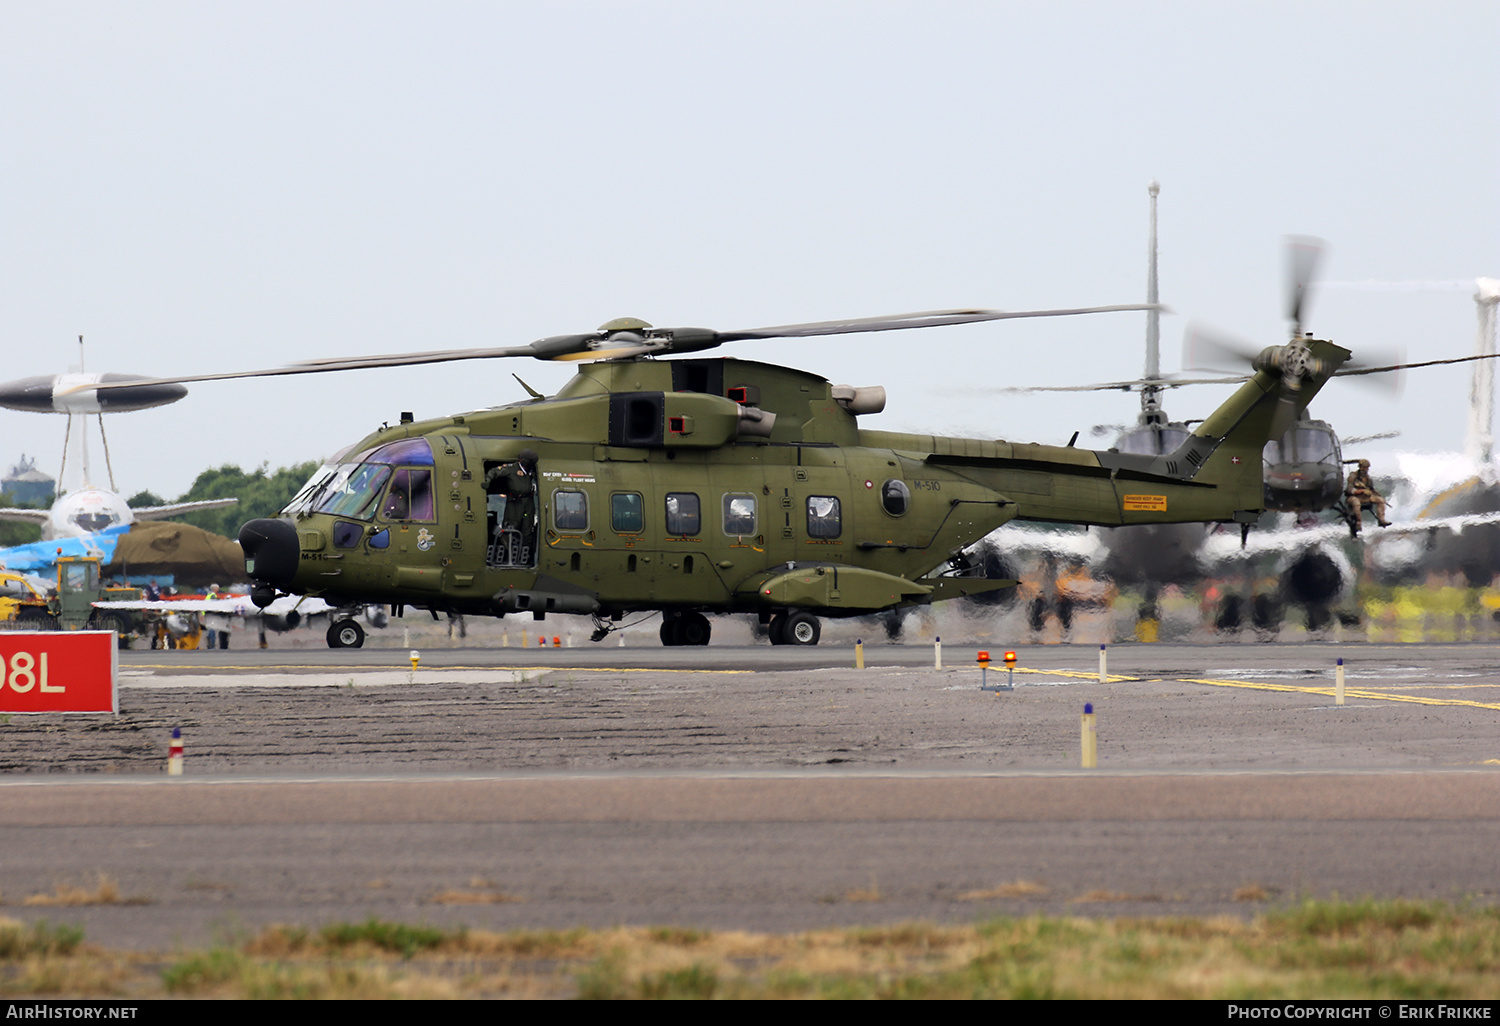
(262, 493)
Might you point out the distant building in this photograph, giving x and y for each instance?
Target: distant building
(27, 485)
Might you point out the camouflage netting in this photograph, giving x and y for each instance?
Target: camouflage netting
(190, 554)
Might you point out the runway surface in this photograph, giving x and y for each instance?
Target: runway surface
(751, 788)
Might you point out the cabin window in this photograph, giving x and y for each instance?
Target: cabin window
(627, 512)
(684, 513)
(410, 495)
(570, 511)
(824, 519)
(895, 497)
(739, 515)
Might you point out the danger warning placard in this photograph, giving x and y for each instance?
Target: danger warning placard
(59, 671)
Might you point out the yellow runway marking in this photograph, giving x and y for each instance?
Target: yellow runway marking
(1327, 691)
(1079, 674)
(1393, 687)
(1348, 693)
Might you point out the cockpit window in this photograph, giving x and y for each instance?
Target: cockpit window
(1301, 445)
(407, 450)
(95, 521)
(311, 492)
(410, 495)
(353, 491)
(352, 488)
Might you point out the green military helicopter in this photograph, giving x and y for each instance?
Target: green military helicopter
(702, 485)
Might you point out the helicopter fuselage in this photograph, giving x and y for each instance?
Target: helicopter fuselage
(711, 485)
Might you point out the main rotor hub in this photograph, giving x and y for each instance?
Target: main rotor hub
(625, 324)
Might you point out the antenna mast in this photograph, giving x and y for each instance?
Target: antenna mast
(1153, 316)
(1151, 411)
(1481, 442)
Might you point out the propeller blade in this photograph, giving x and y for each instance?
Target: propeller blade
(1303, 254)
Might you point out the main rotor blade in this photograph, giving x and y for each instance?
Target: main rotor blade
(595, 345)
(1119, 386)
(1384, 371)
(931, 319)
(1303, 254)
(542, 349)
(1348, 370)
(1352, 371)
(1205, 348)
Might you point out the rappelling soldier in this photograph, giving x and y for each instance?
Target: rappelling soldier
(1360, 492)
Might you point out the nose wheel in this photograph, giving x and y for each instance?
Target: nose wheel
(345, 634)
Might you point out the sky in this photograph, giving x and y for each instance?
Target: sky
(227, 186)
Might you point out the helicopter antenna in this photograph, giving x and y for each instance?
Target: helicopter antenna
(1481, 442)
(1152, 414)
(1153, 315)
(83, 428)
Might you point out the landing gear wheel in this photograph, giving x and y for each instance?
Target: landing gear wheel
(345, 634)
(778, 624)
(669, 636)
(693, 629)
(801, 629)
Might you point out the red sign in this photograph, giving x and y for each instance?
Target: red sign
(59, 671)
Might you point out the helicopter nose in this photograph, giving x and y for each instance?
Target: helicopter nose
(270, 551)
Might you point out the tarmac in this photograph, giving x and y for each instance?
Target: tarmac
(752, 787)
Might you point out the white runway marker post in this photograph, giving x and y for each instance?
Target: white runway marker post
(937, 653)
(1090, 738)
(859, 653)
(1103, 665)
(174, 754)
(1338, 683)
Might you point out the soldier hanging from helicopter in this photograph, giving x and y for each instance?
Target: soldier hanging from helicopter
(510, 493)
(1359, 492)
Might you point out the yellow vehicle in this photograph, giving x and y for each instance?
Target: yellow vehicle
(23, 606)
